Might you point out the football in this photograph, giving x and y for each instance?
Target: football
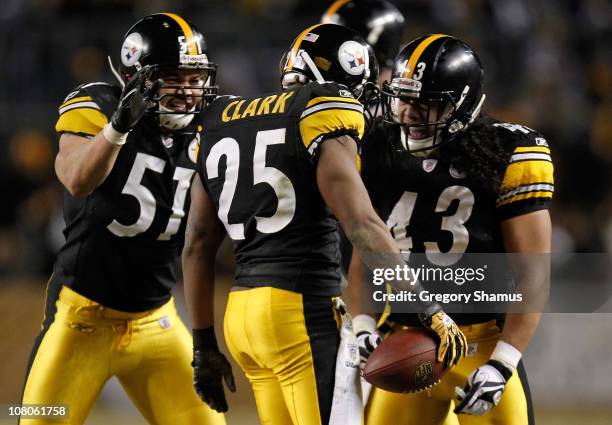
(405, 362)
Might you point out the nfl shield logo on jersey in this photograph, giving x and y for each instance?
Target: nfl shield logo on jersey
(429, 164)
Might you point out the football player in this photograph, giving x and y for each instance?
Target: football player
(126, 158)
(272, 173)
(379, 22)
(450, 181)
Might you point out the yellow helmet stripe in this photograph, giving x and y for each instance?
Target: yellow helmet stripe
(335, 6)
(416, 54)
(192, 44)
(296, 45)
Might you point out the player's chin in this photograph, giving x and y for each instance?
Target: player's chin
(419, 134)
(181, 108)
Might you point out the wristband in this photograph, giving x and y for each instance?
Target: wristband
(428, 312)
(506, 354)
(502, 369)
(113, 136)
(363, 323)
(204, 339)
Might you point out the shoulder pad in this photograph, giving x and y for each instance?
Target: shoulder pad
(329, 88)
(520, 135)
(88, 108)
(101, 95)
(528, 183)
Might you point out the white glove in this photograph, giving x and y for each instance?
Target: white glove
(368, 338)
(486, 384)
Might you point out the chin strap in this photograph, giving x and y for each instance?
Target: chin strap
(174, 121)
(115, 73)
(478, 108)
(313, 68)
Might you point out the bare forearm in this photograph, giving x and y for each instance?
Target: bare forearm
(199, 278)
(377, 250)
(343, 191)
(527, 239)
(353, 294)
(84, 165)
(519, 329)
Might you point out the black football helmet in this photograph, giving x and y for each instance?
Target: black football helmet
(379, 22)
(329, 52)
(442, 77)
(168, 43)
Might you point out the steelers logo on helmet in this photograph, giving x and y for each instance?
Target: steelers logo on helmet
(353, 57)
(131, 49)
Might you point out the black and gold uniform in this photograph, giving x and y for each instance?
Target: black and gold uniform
(258, 164)
(137, 213)
(432, 207)
(109, 308)
(273, 209)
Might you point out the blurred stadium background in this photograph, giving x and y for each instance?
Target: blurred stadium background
(548, 66)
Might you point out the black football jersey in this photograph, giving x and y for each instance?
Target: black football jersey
(122, 240)
(432, 208)
(258, 162)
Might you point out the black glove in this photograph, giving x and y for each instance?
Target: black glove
(209, 367)
(135, 100)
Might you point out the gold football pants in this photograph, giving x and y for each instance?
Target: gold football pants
(85, 344)
(435, 407)
(286, 344)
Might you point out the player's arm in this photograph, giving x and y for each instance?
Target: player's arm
(525, 195)
(343, 191)
(82, 164)
(524, 235)
(203, 235)
(527, 238)
(364, 324)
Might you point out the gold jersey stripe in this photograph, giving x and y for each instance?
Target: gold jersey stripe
(335, 6)
(192, 45)
(81, 120)
(75, 100)
(416, 54)
(331, 99)
(527, 172)
(543, 149)
(522, 196)
(296, 46)
(330, 120)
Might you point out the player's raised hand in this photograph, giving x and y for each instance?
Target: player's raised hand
(453, 344)
(135, 100)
